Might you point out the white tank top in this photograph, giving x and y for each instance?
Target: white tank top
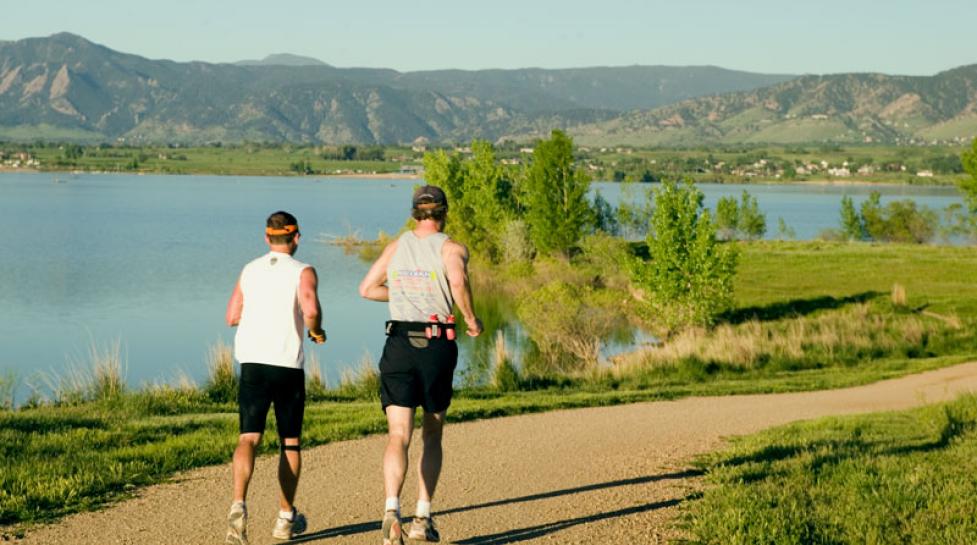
(271, 326)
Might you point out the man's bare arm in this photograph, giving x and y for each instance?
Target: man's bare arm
(309, 302)
(455, 257)
(374, 284)
(234, 306)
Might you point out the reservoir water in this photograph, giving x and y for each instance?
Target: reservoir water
(149, 261)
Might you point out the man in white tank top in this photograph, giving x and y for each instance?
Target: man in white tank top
(422, 275)
(273, 302)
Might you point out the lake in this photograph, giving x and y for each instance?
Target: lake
(150, 261)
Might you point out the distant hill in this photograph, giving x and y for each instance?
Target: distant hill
(66, 87)
(844, 108)
(283, 59)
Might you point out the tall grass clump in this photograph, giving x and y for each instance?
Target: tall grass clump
(222, 380)
(899, 299)
(505, 376)
(363, 383)
(316, 386)
(108, 375)
(100, 376)
(8, 387)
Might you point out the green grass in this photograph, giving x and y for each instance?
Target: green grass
(941, 277)
(902, 477)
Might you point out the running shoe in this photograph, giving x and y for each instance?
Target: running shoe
(423, 529)
(392, 532)
(237, 525)
(287, 529)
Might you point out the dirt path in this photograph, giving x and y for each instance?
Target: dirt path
(603, 475)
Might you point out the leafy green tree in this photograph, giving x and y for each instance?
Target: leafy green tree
(605, 216)
(689, 277)
(633, 213)
(873, 218)
(851, 224)
(555, 196)
(784, 231)
(752, 223)
(479, 196)
(727, 218)
(906, 221)
(969, 185)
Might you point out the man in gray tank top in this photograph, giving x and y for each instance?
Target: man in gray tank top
(422, 275)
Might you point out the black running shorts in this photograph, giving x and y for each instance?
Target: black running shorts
(417, 377)
(260, 386)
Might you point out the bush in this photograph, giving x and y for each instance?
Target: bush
(565, 326)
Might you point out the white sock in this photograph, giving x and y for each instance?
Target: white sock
(393, 504)
(423, 509)
(287, 515)
(244, 506)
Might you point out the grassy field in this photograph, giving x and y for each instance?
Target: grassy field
(904, 477)
(830, 301)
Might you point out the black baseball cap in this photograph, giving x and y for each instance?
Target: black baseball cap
(429, 194)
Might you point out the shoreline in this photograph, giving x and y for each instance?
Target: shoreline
(399, 176)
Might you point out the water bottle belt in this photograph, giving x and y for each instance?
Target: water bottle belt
(398, 328)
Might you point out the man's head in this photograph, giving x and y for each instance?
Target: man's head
(282, 229)
(429, 203)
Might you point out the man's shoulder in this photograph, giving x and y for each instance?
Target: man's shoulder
(452, 246)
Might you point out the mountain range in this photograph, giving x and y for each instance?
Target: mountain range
(68, 88)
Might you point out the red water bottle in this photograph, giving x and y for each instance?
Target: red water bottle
(431, 330)
(450, 330)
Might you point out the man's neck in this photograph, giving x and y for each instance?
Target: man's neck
(427, 227)
(282, 248)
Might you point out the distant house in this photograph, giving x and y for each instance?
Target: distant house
(866, 170)
(925, 174)
(839, 172)
(411, 170)
(419, 145)
(528, 151)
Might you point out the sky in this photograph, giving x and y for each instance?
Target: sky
(910, 37)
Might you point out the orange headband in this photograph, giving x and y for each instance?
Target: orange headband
(287, 230)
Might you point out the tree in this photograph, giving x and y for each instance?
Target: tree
(479, 196)
(851, 223)
(605, 216)
(555, 196)
(873, 219)
(784, 231)
(727, 218)
(689, 276)
(969, 185)
(752, 223)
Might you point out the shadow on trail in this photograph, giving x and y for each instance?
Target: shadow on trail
(794, 307)
(374, 526)
(532, 532)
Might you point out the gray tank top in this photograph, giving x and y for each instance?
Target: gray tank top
(417, 279)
